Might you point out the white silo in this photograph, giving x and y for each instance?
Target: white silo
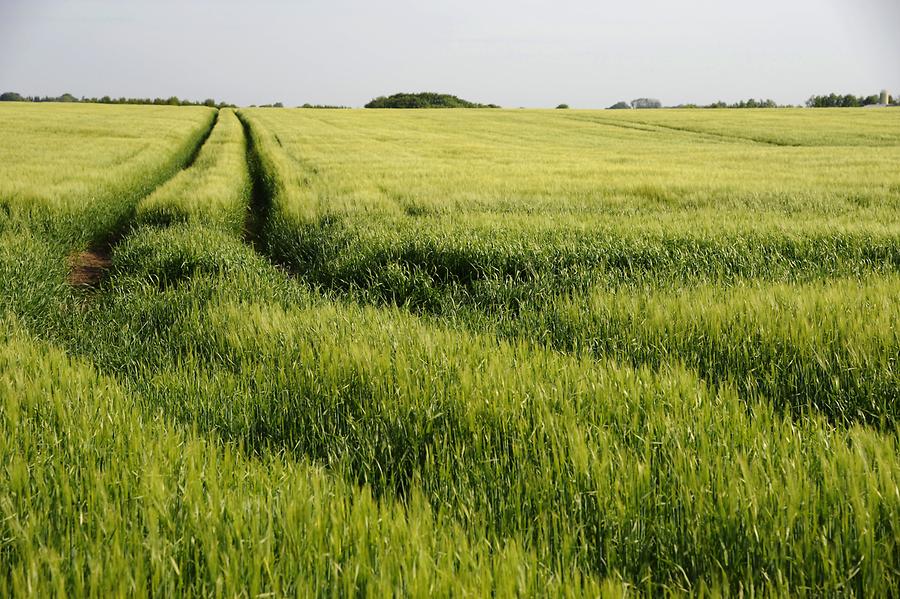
(884, 97)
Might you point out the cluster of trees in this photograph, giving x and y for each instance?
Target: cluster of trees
(638, 103)
(646, 103)
(845, 101)
(424, 100)
(16, 97)
(170, 101)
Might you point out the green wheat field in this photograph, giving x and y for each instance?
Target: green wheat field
(486, 353)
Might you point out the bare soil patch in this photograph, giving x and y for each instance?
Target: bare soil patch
(89, 268)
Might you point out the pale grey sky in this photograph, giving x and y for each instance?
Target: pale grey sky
(510, 52)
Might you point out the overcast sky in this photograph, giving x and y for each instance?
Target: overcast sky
(510, 52)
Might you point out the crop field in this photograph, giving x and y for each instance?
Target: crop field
(286, 352)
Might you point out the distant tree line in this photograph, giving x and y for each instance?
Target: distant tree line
(435, 100)
(751, 103)
(170, 101)
(845, 101)
(15, 97)
(322, 106)
(830, 100)
(424, 100)
(281, 105)
(652, 103)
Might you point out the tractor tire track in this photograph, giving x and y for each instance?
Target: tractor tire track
(90, 267)
(261, 194)
(656, 127)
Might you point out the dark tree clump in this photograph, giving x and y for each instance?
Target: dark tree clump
(424, 100)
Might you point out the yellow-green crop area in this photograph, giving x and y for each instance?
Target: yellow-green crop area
(449, 353)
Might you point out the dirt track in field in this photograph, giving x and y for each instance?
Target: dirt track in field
(89, 268)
